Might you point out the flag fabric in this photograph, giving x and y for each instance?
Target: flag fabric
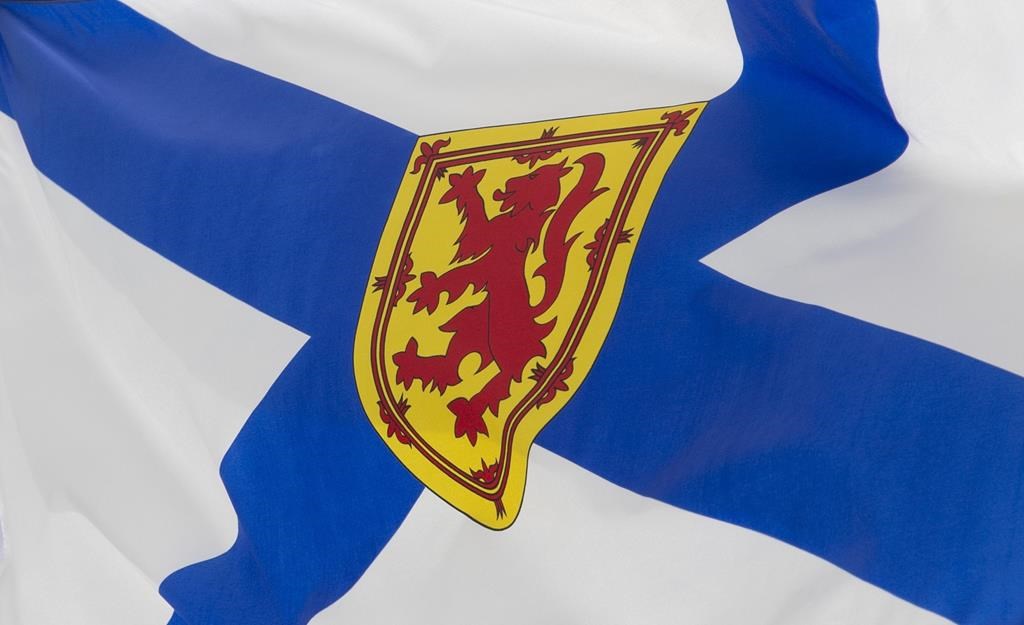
(504, 312)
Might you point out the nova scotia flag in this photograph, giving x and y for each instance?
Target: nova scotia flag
(511, 312)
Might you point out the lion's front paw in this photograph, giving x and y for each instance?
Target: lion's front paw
(428, 295)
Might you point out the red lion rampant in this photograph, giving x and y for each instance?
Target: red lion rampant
(502, 329)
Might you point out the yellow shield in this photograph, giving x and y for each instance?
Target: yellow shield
(494, 285)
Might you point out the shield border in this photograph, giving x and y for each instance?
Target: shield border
(428, 166)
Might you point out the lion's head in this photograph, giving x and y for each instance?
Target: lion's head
(538, 190)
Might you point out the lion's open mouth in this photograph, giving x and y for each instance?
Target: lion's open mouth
(507, 199)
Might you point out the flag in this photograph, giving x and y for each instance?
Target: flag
(511, 312)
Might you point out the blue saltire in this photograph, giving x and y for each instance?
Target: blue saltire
(897, 460)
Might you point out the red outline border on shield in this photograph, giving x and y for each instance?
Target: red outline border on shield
(430, 167)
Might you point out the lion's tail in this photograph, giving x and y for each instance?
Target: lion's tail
(556, 245)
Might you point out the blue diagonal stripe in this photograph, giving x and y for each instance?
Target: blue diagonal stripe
(897, 460)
